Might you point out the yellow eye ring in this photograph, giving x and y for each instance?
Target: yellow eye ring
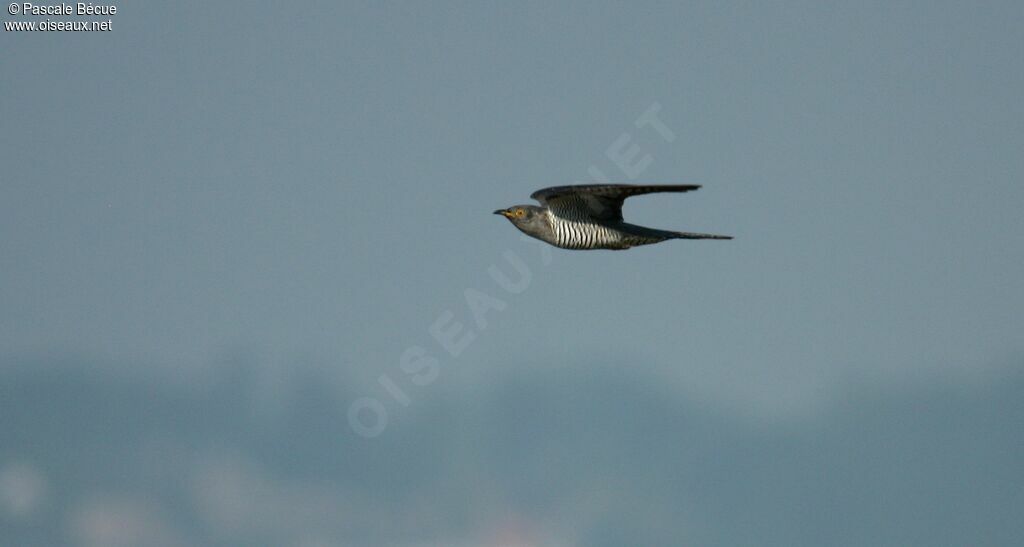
(519, 212)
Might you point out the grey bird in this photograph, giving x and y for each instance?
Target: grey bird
(589, 216)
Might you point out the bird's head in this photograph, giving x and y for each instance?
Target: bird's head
(528, 218)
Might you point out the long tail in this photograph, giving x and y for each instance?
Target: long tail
(693, 235)
(653, 233)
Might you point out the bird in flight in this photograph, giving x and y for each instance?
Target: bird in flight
(589, 216)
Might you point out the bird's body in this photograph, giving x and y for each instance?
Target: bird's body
(586, 217)
(587, 234)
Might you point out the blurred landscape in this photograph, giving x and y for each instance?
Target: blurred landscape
(594, 453)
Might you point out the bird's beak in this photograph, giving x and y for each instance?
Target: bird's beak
(502, 212)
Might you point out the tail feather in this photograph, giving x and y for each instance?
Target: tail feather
(693, 235)
(644, 231)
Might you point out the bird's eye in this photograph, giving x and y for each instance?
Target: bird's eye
(520, 212)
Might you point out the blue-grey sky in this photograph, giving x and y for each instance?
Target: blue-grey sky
(239, 241)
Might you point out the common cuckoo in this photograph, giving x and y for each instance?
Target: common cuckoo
(589, 216)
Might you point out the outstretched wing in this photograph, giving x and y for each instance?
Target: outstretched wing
(598, 201)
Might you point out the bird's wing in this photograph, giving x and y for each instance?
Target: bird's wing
(598, 201)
